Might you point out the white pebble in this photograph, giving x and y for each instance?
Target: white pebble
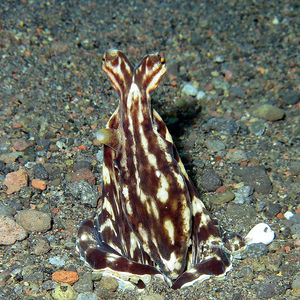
(219, 59)
(57, 261)
(260, 233)
(189, 90)
(275, 21)
(288, 215)
(200, 95)
(60, 144)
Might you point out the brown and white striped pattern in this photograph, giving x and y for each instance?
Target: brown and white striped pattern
(151, 220)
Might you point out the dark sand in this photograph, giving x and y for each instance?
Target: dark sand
(54, 94)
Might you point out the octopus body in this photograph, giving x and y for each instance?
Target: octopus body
(151, 221)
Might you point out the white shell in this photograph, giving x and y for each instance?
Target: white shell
(260, 233)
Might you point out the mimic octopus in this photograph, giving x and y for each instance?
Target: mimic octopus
(151, 222)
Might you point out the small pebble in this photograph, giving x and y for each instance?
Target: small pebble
(296, 285)
(41, 246)
(48, 285)
(237, 91)
(268, 112)
(34, 220)
(220, 84)
(210, 180)
(272, 210)
(84, 284)
(215, 74)
(173, 67)
(189, 90)
(62, 276)
(271, 288)
(85, 192)
(28, 155)
(219, 59)
(6, 210)
(258, 127)
(237, 156)
(222, 125)
(109, 283)
(39, 184)
(10, 231)
(4, 277)
(32, 274)
(10, 157)
(242, 215)
(274, 261)
(243, 194)
(196, 39)
(25, 193)
(83, 174)
(57, 261)
(294, 225)
(62, 144)
(200, 95)
(18, 289)
(96, 275)
(87, 296)
(288, 215)
(255, 176)
(82, 164)
(255, 250)
(15, 181)
(40, 172)
(228, 75)
(3, 168)
(215, 145)
(87, 44)
(152, 296)
(246, 273)
(64, 292)
(275, 21)
(220, 199)
(20, 145)
(294, 168)
(291, 97)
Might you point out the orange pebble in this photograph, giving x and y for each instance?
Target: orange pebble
(55, 210)
(69, 277)
(221, 189)
(261, 70)
(15, 181)
(279, 216)
(17, 125)
(39, 184)
(82, 147)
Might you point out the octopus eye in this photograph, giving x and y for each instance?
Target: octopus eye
(162, 60)
(103, 57)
